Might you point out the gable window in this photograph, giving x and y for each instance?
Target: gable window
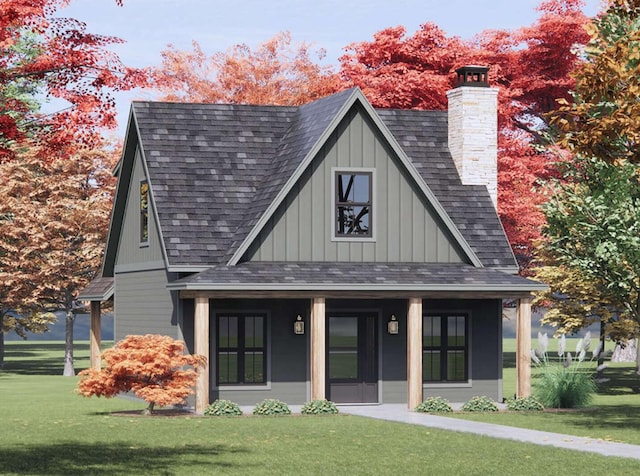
(241, 349)
(144, 212)
(444, 348)
(353, 204)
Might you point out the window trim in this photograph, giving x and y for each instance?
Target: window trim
(143, 220)
(267, 351)
(467, 381)
(373, 200)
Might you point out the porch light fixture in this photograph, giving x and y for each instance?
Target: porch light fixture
(392, 325)
(298, 325)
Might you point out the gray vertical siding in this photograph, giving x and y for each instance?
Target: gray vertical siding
(130, 253)
(405, 226)
(143, 305)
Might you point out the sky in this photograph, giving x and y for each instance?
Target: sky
(148, 26)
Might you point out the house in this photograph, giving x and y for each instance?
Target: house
(331, 250)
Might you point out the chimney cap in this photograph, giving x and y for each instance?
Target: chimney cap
(473, 75)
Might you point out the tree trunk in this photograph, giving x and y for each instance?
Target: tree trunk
(638, 355)
(1, 349)
(68, 345)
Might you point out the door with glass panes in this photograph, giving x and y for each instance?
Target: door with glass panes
(352, 358)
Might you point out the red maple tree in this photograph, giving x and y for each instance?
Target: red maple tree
(531, 67)
(42, 53)
(153, 367)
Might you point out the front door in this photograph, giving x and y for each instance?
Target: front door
(352, 358)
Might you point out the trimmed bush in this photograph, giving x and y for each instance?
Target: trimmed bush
(271, 406)
(223, 408)
(480, 404)
(434, 405)
(525, 404)
(319, 407)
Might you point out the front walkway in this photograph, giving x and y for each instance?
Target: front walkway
(400, 413)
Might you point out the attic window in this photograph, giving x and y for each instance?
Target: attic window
(353, 203)
(144, 212)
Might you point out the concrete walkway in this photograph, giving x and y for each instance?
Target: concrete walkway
(400, 413)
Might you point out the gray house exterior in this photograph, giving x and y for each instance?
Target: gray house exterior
(330, 250)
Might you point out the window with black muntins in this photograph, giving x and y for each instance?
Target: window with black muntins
(241, 349)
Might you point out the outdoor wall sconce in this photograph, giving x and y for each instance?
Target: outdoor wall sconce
(392, 325)
(298, 325)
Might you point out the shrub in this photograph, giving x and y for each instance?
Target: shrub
(565, 384)
(271, 406)
(223, 408)
(153, 367)
(525, 404)
(565, 387)
(480, 404)
(434, 405)
(318, 407)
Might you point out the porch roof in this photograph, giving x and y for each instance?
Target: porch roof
(295, 277)
(99, 289)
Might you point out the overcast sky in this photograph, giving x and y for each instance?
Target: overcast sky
(148, 26)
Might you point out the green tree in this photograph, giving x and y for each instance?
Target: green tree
(591, 248)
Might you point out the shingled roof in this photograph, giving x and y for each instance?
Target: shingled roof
(214, 170)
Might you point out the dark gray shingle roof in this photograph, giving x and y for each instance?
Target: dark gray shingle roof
(214, 169)
(339, 276)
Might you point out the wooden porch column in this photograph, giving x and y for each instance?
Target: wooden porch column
(523, 348)
(318, 349)
(201, 347)
(95, 338)
(414, 353)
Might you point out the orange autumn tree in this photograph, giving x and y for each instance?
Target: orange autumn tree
(153, 367)
(276, 72)
(54, 218)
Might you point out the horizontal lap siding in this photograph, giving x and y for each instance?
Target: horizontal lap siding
(143, 305)
(405, 225)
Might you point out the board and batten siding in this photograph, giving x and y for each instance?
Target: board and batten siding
(405, 227)
(143, 305)
(131, 254)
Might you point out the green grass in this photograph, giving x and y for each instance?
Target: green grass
(48, 430)
(613, 415)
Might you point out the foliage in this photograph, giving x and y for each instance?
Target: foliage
(591, 250)
(531, 67)
(317, 407)
(56, 57)
(434, 405)
(480, 404)
(53, 224)
(271, 406)
(223, 408)
(153, 367)
(567, 383)
(525, 404)
(277, 72)
(602, 119)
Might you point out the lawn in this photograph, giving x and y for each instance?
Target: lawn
(613, 415)
(48, 430)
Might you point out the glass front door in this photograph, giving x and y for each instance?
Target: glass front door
(352, 358)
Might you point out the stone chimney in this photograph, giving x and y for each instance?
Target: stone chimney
(473, 129)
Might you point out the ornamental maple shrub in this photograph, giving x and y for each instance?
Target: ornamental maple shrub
(153, 367)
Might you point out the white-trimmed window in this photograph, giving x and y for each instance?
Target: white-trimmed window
(353, 203)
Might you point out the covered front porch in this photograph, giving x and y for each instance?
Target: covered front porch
(395, 329)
